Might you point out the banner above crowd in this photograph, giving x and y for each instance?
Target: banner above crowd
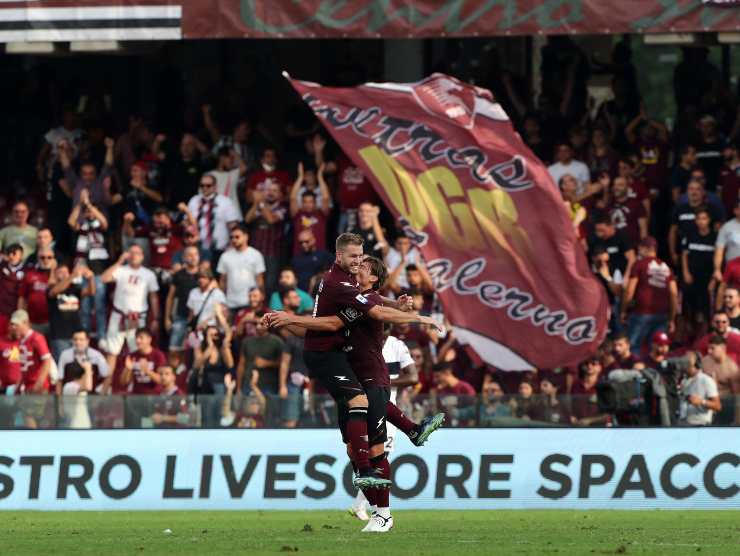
(490, 222)
(52, 20)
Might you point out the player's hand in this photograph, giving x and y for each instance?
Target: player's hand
(434, 324)
(283, 392)
(405, 303)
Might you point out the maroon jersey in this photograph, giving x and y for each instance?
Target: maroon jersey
(142, 382)
(339, 294)
(33, 289)
(10, 285)
(365, 348)
(163, 244)
(171, 403)
(10, 363)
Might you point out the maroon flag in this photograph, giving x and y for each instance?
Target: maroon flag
(489, 220)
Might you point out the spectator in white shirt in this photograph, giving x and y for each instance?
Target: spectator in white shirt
(700, 395)
(241, 268)
(205, 301)
(74, 395)
(215, 214)
(79, 354)
(229, 172)
(402, 254)
(566, 164)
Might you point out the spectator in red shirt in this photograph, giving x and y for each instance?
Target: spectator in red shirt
(585, 409)
(660, 345)
(354, 190)
(140, 368)
(10, 367)
(266, 175)
(35, 356)
(32, 295)
(627, 213)
(11, 279)
(729, 178)
(721, 327)
(267, 218)
(306, 212)
(652, 286)
(623, 356)
(447, 384)
(171, 408)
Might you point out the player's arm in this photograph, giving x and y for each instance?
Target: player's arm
(402, 303)
(394, 316)
(280, 319)
(408, 376)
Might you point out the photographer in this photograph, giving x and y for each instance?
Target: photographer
(74, 394)
(700, 397)
(212, 362)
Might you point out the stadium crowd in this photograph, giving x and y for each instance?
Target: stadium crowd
(140, 263)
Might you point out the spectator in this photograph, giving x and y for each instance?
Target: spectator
(292, 376)
(493, 405)
(181, 174)
(261, 354)
(606, 236)
(68, 133)
(246, 320)
(623, 356)
(216, 214)
(11, 280)
(697, 256)
(10, 373)
(266, 217)
(650, 138)
(309, 261)
(627, 213)
(64, 297)
(140, 198)
(726, 374)
(36, 367)
(190, 238)
(709, 150)
(176, 309)
(305, 210)
(583, 396)
(566, 164)
(206, 302)
(550, 409)
(251, 412)
(74, 394)
(97, 185)
(571, 199)
(682, 171)
(289, 281)
(241, 140)
(368, 227)
(660, 345)
(721, 327)
(524, 404)
(229, 172)
(354, 190)
(267, 175)
(171, 407)
(613, 283)
(729, 178)
(310, 180)
(44, 241)
(212, 363)
(140, 374)
(241, 267)
(32, 294)
(653, 288)
(601, 157)
(91, 226)
(683, 220)
(447, 384)
(731, 306)
(80, 353)
(402, 254)
(728, 243)
(701, 397)
(134, 300)
(19, 231)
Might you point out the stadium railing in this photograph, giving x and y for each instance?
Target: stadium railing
(319, 411)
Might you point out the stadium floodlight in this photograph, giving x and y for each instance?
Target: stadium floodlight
(669, 38)
(94, 46)
(23, 47)
(728, 38)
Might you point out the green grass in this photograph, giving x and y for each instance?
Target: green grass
(464, 533)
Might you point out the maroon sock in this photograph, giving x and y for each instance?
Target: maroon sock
(396, 417)
(357, 435)
(382, 495)
(372, 495)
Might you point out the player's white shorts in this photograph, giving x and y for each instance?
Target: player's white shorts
(118, 333)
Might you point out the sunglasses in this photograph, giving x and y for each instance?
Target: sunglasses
(304, 242)
(721, 322)
(207, 184)
(46, 258)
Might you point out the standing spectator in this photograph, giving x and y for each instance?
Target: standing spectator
(309, 261)
(229, 172)
(709, 150)
(140, 197)
(293, 375)
(212, 363)
(403, 253)
(701, 396)
(267, 175)
(730, 304)
(74, 394)
(354, 190)
(69, 132)
(651, 142)
(97, 185)
(246, 320)
(728, 243)
(652, 286)
(135, 298)
(627, 213)
(309, 180)
(205, 303)
(606, 236)
(307, 212)
(289, 281)
(681, 174)
(80, 353)
(584, 406)
(566, 164)
(660, 345)
(171, 408)
(64, 295)
(190, 238)
(369, 229)
(215, 214)
(11, 279)
(266, 216)
(91, 226)
(140, 367)
(176, 309)
(729, 178)
(725, 372)
(44, 241)
(36, 363)
(623, 356)
(261, 354)
(683, 220)
(181, 173)
(697, 256)
(241, 268)
(601, 157)
(721, 327)
(32, 294)
(447, 384)
(19, 231)
(242, 139)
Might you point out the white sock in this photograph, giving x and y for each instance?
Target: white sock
(360, 500)
(385, 513)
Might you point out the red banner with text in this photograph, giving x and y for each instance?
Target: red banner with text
(498, 242)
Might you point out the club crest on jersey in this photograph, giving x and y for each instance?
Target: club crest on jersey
(351, 313)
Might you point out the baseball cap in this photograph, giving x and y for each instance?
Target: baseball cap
(649, 242)
(19, 317)
(661, 339)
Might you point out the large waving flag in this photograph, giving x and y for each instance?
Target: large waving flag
(490, 223)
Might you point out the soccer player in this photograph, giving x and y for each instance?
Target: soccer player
(339, 297)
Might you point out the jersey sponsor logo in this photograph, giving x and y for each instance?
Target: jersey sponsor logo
(361, 298)
(348, 284)
(341, 378)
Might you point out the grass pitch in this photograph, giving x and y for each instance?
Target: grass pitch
(466, 533)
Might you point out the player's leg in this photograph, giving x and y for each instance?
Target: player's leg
(365, 503)
(378, 398)
(418, 433)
